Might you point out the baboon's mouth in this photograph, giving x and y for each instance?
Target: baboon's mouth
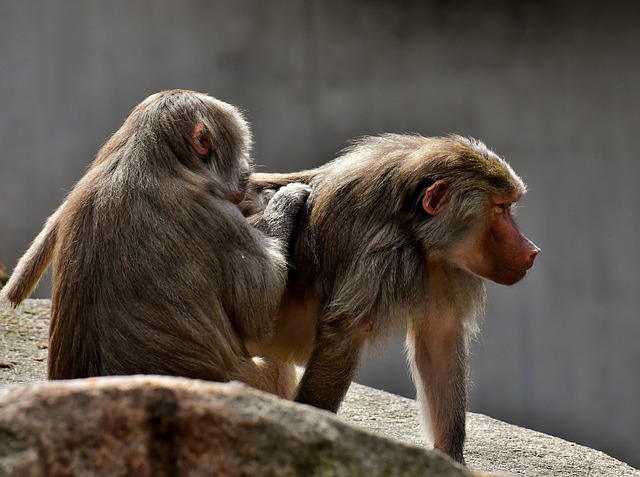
(518, 270)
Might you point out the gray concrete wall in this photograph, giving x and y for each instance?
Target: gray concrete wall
(552, 86)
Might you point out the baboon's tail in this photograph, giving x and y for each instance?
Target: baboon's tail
(261, 181)
(32, 264)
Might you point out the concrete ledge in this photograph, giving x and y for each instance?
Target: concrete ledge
(492, 446)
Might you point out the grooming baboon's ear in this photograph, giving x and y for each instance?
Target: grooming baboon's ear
(200, 141)
(435, 197)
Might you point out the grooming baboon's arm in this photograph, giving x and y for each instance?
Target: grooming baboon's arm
(257, 287)
(281, 214)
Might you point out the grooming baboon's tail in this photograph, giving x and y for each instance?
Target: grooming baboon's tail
(32, 264)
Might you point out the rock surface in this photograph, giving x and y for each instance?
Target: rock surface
(167, 426)
(492, 445)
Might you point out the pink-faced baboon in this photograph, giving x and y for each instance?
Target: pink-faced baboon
(399, 231)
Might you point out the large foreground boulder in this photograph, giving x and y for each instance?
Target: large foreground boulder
(165, 426)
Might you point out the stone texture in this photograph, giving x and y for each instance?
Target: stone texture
(23, 342)
(491, 446)
(166, 426)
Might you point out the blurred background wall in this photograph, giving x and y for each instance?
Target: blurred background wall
(554, 86)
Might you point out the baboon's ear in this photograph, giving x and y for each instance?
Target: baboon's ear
(200, 141)
(435, 197)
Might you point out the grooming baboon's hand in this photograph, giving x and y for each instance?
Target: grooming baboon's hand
(281, 214)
